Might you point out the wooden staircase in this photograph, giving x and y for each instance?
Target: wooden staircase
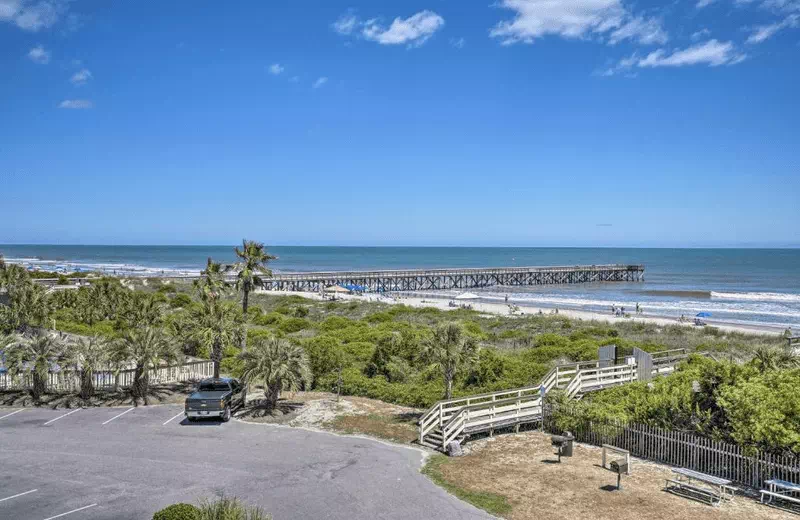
(457, 419)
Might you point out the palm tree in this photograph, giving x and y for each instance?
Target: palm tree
(147, 348)
(36, 354)
(216, 325)
(212, 284)
(279, 364)
(252, 264)
(450, 350)
(143, 310)
(28, 304)
(87, 355)
(773, 358)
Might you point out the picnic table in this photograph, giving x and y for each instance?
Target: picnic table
(781, 489)
(720, 488)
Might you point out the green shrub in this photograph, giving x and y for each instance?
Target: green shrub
(178, 512)
(265, 320)
(180, 301)
(300, 311)
(230, 509)
(290, 325)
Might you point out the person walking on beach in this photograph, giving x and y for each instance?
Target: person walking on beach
(637, 307)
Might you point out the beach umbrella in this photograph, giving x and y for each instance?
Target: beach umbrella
(467, 296)
(703, 315)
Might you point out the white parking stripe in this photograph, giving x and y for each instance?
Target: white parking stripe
(169, 421)
(12, 413)
(18, 495)
(62, 416)
(70, 512)
(120, 415)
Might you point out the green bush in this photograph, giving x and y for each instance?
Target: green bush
(230, 509)
(178, 512)
(265, 320)
(180, 301)
(290, 325)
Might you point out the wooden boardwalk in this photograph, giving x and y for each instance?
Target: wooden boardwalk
(468, 278)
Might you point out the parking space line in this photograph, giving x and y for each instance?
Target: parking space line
(62, 416)
(12, 413)
(120, 415)
(18, 495)
(70, 512)
(170, 420)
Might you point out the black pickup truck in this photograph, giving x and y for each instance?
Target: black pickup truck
(215, 398)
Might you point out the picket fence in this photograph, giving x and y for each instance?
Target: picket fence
(676, 448)
(68, 381)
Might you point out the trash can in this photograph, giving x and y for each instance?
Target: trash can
(566, 451)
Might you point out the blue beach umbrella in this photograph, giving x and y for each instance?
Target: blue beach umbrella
(703, 314)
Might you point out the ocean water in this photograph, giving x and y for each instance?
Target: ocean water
(735, 285)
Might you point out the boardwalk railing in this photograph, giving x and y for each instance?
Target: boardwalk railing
(454, 278)
(68, 381)
(676, 448)
(449, 419)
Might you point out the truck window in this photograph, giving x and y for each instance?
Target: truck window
(213, 387)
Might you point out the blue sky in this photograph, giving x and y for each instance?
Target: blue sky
(431, 122)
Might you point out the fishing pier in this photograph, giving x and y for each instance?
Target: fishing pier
(467, 278)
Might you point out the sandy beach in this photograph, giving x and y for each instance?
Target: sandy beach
(502, 309)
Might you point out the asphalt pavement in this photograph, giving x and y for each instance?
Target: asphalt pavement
(126, 463)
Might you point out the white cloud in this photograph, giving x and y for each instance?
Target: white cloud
(712, 52)
(575, 19)
(458, 43)
(412, 31)
(346, 24)
(76, 104)
(699, 35)
(320, 82)
(294, 79)
(765, 32)
(276, 69)
(31, 15)
(81, 77)
(704, 3)
(39, 55)
(646, 31)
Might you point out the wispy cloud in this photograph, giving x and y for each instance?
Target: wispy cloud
(81, 77)
(412, 31)
(76, 104)
(294, 79)
(31, 15)
(764, 32)
(699, 35)
(458, 43)
(39, 55)
(276, 69)
(320, 82)
(712, 53)
(704, 3)
(575, 19)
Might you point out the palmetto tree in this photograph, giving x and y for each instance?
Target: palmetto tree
(87, 355)
(147, 348)
(279, 364)
(252, 264)
(212, 285)
(143, 310)
(774, 358)
(451, 349)
(35, 354)
(28, 304)
(217, 325)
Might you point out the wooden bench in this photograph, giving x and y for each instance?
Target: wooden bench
(694, 492)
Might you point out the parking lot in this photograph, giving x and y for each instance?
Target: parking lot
(126, 463)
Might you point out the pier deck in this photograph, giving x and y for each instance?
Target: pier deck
(467, 278)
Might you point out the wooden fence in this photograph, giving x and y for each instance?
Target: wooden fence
(69, 381)
(677, 448)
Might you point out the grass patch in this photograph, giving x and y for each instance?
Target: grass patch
(489, 502)
(395, 428)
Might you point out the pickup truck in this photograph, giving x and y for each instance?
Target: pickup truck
(215, 398)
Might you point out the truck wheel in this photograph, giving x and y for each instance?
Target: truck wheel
(226, 414)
